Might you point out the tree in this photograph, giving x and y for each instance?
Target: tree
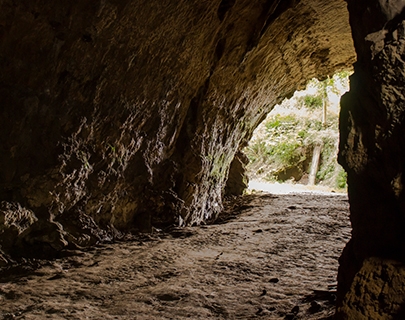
(323, 89)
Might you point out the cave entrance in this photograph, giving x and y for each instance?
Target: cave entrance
(296, 146)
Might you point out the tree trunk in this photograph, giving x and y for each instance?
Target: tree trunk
(324, 112)
(315, 164)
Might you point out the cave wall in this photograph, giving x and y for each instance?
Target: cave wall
(123, 115)
(119, 116)
(372, 151)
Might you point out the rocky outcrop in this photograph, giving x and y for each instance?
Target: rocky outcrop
(120, 116)
(372, 138)
(237, 181)
(377, 292)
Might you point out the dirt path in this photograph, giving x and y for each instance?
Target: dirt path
(263, 261)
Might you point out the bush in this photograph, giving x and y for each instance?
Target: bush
(287, 146)
(280, 124)
(257, 151)
(312, 102)
(287, 138)
(280, 148)
(287, 153)
(341, 180)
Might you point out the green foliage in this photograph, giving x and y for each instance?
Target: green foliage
(281, 123)
(258, 151)
(288, 138)
(312, 102)
(282, 146)
(315, 125)
(283, 153)
(341, 179)
(286, 152)
(343, 74)
(303, 134)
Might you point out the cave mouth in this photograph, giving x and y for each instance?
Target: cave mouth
(296, 146)
(123, 115)
(127, 114)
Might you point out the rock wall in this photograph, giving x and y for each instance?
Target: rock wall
(377, 292)
(372, 141)
(119, 116)
(123, 115)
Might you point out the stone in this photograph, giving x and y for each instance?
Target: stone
(3, 261)
(47, 236)
(371, 133)
(377, 292)
(134, 113)
(14, 220)
(12, 214)
(237, 181)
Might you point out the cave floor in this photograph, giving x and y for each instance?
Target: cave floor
(268, 257)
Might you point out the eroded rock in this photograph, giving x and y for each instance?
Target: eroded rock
(372, 139)
(377, 292)
(14, 220)
(123, 116)
(237, 181)
(120, 116)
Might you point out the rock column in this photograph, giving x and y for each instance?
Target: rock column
(372, 146)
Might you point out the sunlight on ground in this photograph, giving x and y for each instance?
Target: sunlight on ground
(287, 188)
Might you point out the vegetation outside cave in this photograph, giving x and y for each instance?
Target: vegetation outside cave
(285, 147)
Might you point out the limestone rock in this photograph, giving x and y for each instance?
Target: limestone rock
(3, 261)
(43, 233)
(130, 113)
(14, 220)
(124, 115)
(377, 292)
(372, 138)
(237, 179)
(12, 214)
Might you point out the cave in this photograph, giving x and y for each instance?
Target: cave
(124, 116)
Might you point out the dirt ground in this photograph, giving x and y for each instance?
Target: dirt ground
(268, 257)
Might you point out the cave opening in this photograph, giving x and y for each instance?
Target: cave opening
(123, 115)
(296, 146)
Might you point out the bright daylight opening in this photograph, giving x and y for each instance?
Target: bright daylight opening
(295, 148)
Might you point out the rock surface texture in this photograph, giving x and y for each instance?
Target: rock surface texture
(377, 292)
(121, 116)
(124, 115)
(372, 147)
